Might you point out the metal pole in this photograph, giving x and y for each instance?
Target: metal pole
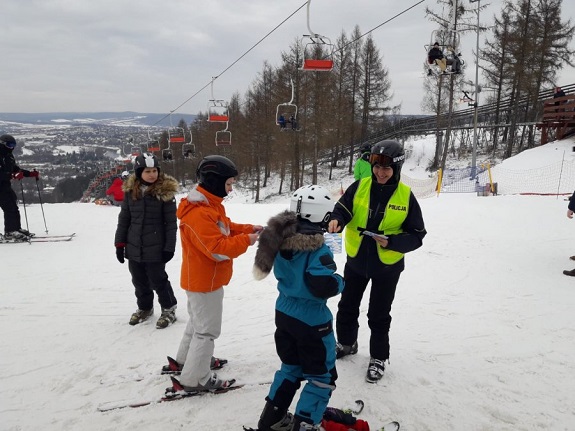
(24, 206)
(41, 205)
(476, 103)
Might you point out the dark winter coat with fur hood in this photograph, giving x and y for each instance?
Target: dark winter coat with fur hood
(302, 264)
(147, 223)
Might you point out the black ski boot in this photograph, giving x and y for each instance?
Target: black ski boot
(342, 350)
(275, 419)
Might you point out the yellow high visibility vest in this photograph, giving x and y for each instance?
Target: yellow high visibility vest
(393, 217)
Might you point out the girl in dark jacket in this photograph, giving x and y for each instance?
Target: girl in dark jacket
(146, 236)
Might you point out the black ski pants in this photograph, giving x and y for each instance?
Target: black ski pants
(378, 314)
(148, 277)
(9, 204)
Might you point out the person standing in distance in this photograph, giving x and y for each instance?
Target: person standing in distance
(8, 200)
(383, 205)
(362, 167)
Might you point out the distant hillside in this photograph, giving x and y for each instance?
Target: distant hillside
(108, 118)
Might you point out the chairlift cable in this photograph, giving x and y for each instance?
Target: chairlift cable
(231, 65)
(385, 22)
(265, 37)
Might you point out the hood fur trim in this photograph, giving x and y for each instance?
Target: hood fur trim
(165, 188)
(281, 233)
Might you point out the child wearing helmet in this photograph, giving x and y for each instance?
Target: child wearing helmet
(210, 243)
(382, 205)
(293, 244)
(146, 236)
(362, 167)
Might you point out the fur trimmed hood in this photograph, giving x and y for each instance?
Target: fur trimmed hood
(284, 232)
(165, 188)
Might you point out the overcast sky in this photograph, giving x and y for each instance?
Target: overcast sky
(153, 55)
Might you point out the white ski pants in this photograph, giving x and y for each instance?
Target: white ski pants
(197, 345)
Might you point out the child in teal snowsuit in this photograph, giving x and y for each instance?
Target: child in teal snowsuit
(293, 244)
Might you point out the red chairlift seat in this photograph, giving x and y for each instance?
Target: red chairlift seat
(317, 65)
(218, 118)
(153, 146)
(176, 135)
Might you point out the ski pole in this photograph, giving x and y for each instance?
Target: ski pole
(24, 205)
(41, 204)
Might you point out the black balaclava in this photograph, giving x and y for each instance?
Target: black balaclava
(215, 184)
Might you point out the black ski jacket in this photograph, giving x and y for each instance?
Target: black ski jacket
(147, 223)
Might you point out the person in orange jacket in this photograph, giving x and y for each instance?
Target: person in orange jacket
(210, 242)
(115, 193)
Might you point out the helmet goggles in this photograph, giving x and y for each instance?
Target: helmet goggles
(381, 160)
(10, 144)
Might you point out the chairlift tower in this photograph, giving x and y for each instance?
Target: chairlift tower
(476, 103)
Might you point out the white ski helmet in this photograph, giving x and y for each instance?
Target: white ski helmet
(312, 203)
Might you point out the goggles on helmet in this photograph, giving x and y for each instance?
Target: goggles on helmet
(10, 145)
(381, 160)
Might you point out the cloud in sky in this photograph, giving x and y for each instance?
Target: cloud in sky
(151, 56)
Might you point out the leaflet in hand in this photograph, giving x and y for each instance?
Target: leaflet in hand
(333, 241)
(373, 234)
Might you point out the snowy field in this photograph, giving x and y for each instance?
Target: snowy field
(481, 338)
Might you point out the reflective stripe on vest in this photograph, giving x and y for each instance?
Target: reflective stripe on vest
(394, 216)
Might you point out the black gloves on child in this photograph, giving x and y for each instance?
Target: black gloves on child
(120, 254)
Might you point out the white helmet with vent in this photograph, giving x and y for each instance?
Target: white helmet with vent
(312, 203)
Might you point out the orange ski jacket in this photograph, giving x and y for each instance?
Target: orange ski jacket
(210, 241)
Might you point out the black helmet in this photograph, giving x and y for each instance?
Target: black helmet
(365, 148)
(388, 153)
(217, 165)
(145, 160)
(8, 140)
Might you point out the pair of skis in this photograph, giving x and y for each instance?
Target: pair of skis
(44, 238)
(177, 392)
(174, 393)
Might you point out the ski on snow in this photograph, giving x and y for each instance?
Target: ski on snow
(44, 238)
(173, 368)
(176, 392)
(390, 426)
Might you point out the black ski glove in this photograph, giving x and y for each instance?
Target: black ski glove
(120, 254)
(167, 256)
